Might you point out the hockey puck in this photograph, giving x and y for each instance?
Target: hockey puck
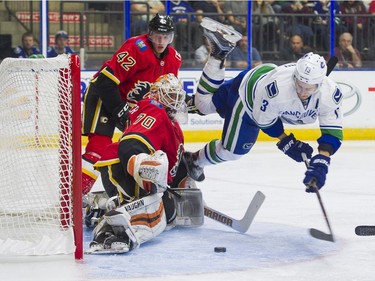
(220, 249)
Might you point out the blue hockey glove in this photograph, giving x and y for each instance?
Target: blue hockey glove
(316, 172)
(294, 148)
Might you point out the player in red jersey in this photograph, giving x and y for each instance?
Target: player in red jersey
(123, 80)
(152, 127)
(140, 167)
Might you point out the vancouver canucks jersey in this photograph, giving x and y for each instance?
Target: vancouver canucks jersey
(268, 93)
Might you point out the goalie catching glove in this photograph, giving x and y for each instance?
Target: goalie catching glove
(316, 172)
(150, 171)
(294, 148)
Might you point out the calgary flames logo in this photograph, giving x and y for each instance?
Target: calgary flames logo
(140, 91)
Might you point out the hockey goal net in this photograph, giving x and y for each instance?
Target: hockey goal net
(40, 162)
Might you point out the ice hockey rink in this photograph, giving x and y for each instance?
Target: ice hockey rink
(276, 247)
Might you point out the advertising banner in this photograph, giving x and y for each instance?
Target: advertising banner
(358, 88)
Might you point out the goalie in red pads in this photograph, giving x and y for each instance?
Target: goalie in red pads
(140, 167)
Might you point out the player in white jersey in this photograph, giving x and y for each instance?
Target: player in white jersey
(265, 98)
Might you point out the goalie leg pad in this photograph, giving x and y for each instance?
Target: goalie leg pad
(147, 216)
(127, 227)
(189, 207)
(122, 229)
(150, 171)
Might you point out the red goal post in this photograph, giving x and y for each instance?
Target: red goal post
(40, 166)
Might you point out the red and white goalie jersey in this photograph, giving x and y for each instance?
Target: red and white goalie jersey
(150, 127)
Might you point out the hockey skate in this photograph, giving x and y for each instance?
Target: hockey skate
(97, 203)
(92, 216)
(222, 38)
(108, 243)
(194, 171)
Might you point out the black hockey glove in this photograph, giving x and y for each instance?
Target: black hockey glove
(121, 116)
(294, 148)
(190, 105)
(316, 172)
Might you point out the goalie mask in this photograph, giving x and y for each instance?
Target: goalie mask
(309, 73)
(169, 92)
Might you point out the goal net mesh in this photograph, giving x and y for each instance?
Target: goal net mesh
(36, 157)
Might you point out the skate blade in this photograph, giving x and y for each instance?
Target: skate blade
(229, 33)
(106, 252)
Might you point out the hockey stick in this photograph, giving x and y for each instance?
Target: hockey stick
(365, 230)
(315, 232)
(243, 224)
(331, 64)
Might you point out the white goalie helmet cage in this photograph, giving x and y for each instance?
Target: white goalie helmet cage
(170, 92)
(311, 69)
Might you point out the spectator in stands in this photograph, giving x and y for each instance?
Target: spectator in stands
(300, 24)
(371, 7)
(201, 54)
(348, 56)
(188, 33)
(295, 50)
(28, 48)
(265, 25)
(321, 24)
(352, 11)
(278, 5)
(238, 58)
(6, 49)
(61, 45)
(369, 53)
(143, 13)
(98, 6)
(236, 14)
(208, 8)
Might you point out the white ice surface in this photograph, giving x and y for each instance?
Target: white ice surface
(276, 247)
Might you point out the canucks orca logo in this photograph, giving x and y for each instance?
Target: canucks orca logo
(139, 92)
(337, 96)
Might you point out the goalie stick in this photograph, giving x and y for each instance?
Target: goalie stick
(315, 232)
(243, 224)
(365, 230)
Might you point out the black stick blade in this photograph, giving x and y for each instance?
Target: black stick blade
(365, 230)
(321, 235)
(331, 64)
